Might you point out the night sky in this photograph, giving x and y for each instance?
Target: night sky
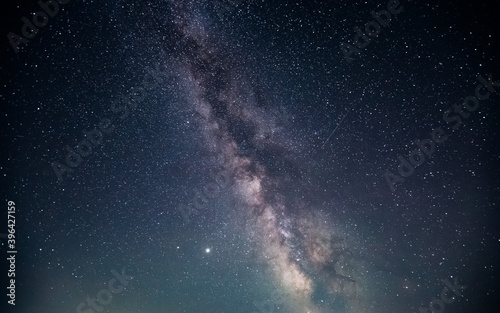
(251, 156)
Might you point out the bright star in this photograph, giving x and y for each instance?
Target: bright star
(207, 250)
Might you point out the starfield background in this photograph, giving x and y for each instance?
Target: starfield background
(250, 156)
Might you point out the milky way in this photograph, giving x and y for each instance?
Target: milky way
(297, 248)
(237, 158)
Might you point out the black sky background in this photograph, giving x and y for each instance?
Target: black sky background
(119, 203)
